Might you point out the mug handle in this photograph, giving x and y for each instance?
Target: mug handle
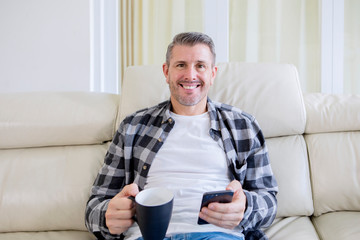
(133, 199)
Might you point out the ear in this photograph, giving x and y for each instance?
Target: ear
(166, 71)
(213, 74)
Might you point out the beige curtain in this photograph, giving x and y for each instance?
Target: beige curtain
(285, 31)
(148, 26)
(278, 31)
(267, 31)
(352, 46)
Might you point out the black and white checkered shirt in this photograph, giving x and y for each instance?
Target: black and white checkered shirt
(141, 135)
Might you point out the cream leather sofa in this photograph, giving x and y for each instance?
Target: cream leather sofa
(52, 146)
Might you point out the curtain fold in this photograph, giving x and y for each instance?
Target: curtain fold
(352, 46)
(259, 31)
(278, 31)
(148, 26)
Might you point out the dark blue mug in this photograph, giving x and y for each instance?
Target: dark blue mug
(153, 212)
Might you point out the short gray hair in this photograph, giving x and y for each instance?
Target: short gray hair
(191, 39)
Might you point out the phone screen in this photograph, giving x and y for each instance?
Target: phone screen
(224, 196)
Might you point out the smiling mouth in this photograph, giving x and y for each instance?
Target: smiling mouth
(189, 87)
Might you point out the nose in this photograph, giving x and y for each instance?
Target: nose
(190, 73)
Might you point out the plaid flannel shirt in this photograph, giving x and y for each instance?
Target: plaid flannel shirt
(141, 135)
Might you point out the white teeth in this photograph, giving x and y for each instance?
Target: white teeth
(189, 87)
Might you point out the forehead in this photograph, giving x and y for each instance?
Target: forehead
(198, 52)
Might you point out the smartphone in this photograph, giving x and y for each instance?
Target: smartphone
(224, 196)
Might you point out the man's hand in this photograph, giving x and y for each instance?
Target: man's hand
(227, 215)
(121, 210)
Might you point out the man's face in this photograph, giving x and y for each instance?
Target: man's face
(190, 74)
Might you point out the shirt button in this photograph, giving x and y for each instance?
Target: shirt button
(160, 140)
(170, 120)
(144, 167)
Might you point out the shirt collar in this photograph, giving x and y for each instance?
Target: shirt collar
(214, 118)
(166, 114)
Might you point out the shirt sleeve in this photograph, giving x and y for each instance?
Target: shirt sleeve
(109, 182)
(259, 185)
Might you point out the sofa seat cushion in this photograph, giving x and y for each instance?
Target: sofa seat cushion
(58, 235)
(294, 228)
(46, 189)
(338, 225)
(290, 165)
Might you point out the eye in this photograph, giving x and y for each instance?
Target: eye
(180, 65)
(201, 66)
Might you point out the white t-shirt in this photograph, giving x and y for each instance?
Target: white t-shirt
(189, 163)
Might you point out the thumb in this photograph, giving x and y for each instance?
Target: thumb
(129, 190)
(234, 186)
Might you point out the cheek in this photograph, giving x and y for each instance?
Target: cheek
(169, 78)
(174, 77)
(211, 81)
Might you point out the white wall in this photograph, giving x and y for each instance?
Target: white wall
(44, 45)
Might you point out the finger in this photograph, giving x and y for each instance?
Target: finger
(120, 211)
(237, 205)
(225, 215)
(240, 198)
(120, 214)
(222, 223)
(233, 207)
(120, 203)
(228, 221)
(234, 185)
(119, 221)
(119, 226)
(129, 190)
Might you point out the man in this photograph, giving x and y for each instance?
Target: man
(190, 145)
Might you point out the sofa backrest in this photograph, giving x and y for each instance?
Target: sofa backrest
(56, 119)
(270, 92)
(51, 148)
(333, 140)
